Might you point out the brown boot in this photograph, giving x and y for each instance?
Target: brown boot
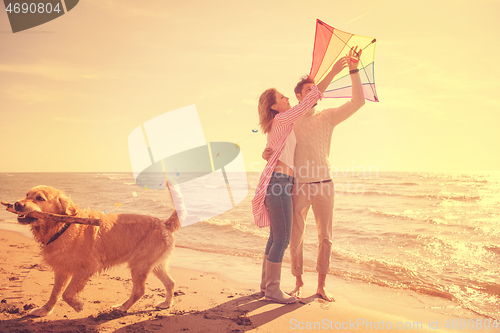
(273, 278)
(263, 279)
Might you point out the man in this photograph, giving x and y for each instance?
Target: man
(313, 183)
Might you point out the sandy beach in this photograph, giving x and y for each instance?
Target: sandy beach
(214, 293)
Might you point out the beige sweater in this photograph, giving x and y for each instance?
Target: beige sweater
(314, 135)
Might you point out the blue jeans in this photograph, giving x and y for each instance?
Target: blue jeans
(280, 207)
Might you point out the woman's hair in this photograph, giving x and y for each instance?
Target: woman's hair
(266, 114)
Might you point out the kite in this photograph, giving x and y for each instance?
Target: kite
(330, 45)
(255, 130)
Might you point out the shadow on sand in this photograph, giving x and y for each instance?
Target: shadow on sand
(239, 314)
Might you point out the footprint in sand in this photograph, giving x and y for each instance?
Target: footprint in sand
(323, 304)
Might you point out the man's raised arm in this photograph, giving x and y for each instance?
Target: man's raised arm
(358, 97)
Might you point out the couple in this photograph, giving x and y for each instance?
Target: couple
(297, 161)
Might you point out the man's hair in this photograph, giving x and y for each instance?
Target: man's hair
(304, 80)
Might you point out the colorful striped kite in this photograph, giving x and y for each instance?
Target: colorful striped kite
(330, 45)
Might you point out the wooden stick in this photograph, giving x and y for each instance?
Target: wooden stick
(55, 217)
(10, 207)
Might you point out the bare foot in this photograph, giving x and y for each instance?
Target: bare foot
(325, 294)
(40, 312)
(164, 305)
(297, 292)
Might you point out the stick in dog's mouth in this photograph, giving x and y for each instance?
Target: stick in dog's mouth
(21, 217)
(10, 207)
(27, 218)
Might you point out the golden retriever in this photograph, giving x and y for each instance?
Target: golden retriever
(77, 251)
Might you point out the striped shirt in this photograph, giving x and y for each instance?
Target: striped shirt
(281, 128)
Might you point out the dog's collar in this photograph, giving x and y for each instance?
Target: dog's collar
(59, 233)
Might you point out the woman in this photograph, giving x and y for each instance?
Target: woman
(272, 204)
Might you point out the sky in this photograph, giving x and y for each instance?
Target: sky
(73, 89)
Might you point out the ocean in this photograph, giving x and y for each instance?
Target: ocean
(432, 233)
